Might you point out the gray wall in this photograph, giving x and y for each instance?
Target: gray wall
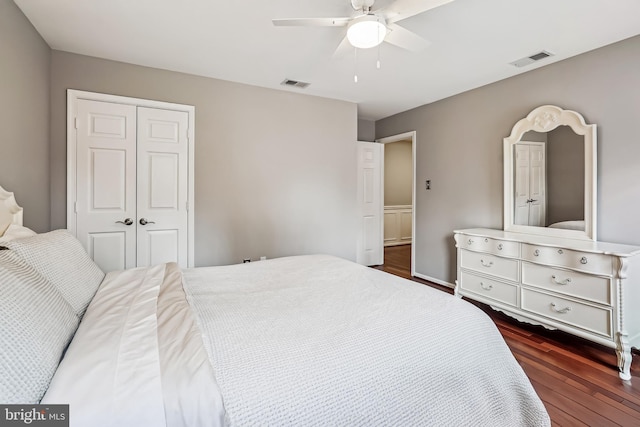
(398, 173)
(459, 147)
(275, 171)
(366, 130)
(24, 115)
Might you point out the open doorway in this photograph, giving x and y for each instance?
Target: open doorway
(398, 195)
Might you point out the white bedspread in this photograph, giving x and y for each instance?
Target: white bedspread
(299, 341)
(319, 341)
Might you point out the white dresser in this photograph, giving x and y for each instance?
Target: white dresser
(586, 288)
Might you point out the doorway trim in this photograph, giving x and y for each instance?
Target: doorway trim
(395, 138)
(73, 96)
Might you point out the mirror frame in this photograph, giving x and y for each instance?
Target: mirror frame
(544, 119)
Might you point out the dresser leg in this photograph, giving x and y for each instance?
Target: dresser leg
(455, 290)
(623, 351)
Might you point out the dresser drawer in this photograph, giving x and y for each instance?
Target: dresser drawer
(488, 264)
(498, 291)
(583, 261)
(587, 317)
(572, 283)
(504, 248)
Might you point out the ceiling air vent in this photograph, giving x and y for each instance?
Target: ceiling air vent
(294, 83)
(531, 59)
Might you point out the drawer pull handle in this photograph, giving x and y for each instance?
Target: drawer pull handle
(470, 241)
(486, 264)
(560, 251)
(486, 240)
(583, 260)
(500, 247)
(536, 252)
(560, 310)
(561, 282)
(486, 287)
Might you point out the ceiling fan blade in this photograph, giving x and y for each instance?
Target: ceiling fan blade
(405, 39)
(311, 22)
(403, 9)
(343, 48)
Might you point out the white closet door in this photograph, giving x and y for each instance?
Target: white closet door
(105, 174)
(162, 186)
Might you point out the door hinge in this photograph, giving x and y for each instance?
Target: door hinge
(187, 206)
(75, 122)
(75, 207)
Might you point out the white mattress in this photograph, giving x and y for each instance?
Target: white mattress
(299, 341)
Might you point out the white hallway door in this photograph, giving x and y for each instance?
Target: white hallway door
(370, 247)
(131, 203)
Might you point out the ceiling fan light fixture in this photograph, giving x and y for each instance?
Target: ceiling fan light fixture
(366, 31)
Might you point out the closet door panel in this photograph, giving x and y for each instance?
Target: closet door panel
(162, 154)
(163, 246)
(105, 175)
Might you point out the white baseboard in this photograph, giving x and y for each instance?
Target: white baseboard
(434, 280)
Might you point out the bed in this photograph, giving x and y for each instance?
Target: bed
(569, 225)
(310, 340)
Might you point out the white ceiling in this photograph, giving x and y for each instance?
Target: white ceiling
(472, 42)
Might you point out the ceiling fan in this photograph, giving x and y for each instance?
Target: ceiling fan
(370, 27)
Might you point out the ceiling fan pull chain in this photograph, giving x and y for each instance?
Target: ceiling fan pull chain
(379, 43)
(355, 67)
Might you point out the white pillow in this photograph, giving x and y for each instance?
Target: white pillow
(36, 325)
(62, 260)
(16, 231)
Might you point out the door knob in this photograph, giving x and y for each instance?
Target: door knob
(143, 221)
(127, 221)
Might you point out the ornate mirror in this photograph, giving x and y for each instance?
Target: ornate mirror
(550, 175)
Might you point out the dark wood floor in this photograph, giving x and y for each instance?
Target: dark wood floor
(577, 380)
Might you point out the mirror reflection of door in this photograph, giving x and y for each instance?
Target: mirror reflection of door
(549, 179)
(530, 184)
